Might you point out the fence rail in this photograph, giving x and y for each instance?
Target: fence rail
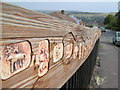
(82, 77)
(41, 51)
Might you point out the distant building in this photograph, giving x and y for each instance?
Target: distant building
(80, 22)
(63, 16)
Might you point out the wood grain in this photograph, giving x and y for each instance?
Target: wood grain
(19, 24)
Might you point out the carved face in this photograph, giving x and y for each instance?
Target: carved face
(68, 50)
(75, 53)
(80, 51)
(58, 52)
(15, 58)
(84, 50)
(43, 57)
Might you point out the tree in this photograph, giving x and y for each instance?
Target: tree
(118, 19)
(110, 19)
(111, 22)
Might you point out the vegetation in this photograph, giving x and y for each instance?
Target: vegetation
(89, 26)
(90, 17)
(110, 20)
(113, 21)
(118, 20)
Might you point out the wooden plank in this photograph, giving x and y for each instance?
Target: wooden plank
(59, 75)
(23, 24)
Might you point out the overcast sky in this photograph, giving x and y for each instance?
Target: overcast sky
(91, 6)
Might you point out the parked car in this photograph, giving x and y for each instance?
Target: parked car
(116, 39)
(103, 29)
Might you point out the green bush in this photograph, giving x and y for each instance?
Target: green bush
(113, 22)
(109, 26)
(89, 26)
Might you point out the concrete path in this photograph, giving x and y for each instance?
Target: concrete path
(108, 54)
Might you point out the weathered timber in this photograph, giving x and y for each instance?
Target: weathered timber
(69, 47)
(81, 78)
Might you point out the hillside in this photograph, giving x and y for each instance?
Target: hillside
(87, 17)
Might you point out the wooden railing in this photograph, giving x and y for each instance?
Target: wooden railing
(27, 35)
(82, 77)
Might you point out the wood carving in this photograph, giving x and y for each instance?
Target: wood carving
(43, 57)
(58, 52)
(83, 50)
(80, 50)
(19, 24)
(75, 52)
(68, 50)
(15, 58)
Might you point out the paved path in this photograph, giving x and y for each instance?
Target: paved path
(108, 54)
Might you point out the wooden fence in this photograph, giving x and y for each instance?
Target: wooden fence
(41, 51)
(82, 77)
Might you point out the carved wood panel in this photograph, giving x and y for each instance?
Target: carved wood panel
(43, 57)
(15, 58)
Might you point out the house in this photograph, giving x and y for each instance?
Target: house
(80, 22)
(63, 16)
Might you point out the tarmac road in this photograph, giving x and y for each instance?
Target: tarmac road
(108, 54)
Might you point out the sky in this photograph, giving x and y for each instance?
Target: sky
(61, 0)
(86, 6)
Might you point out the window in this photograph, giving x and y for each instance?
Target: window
(118, 34)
